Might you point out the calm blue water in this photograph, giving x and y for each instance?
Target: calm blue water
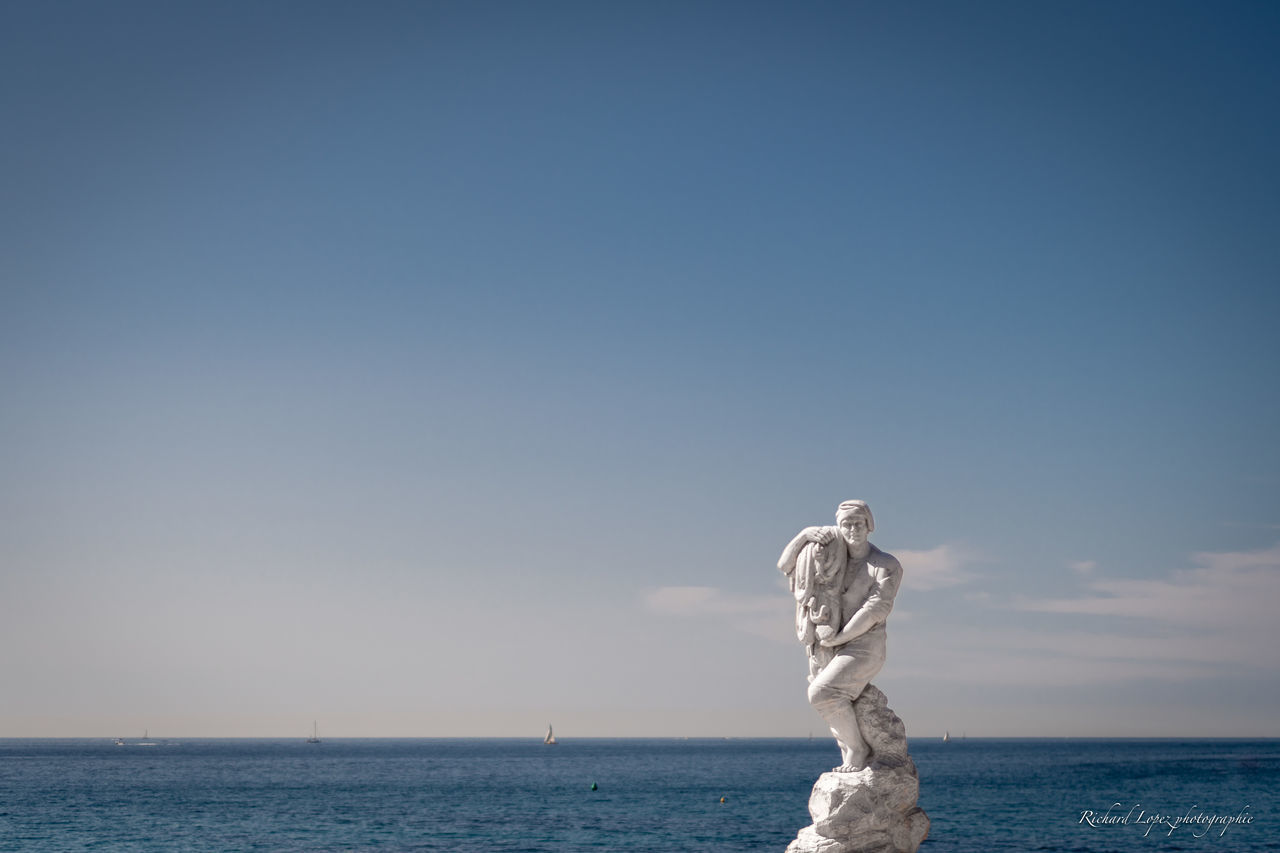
(653, 795)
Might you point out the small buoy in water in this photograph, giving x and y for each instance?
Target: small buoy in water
(594, 786)
(722, 799)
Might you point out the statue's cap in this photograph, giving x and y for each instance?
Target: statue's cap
(851, 507)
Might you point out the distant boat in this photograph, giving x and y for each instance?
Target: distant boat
(550, 739)
(946, 737)
(120, 741)
(315, 733)
(146, 739)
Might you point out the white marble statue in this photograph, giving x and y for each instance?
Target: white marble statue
(844, 589)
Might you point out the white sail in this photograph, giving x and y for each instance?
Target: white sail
(550, 739)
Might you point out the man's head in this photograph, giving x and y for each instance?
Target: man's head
(855, 522)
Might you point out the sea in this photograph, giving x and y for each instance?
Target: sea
(658, 795)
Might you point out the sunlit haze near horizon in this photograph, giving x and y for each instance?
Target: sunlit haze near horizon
(446, 369)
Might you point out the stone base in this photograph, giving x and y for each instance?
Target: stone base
(873, 810)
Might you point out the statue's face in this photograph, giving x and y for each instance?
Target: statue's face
(853, 528)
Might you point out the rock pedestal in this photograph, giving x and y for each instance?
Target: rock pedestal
(873, 810)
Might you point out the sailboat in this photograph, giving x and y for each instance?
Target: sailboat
(550, 739)
(146, 739)
(946, 737)
(315, 733)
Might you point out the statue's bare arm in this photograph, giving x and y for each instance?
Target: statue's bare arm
(876, 608)
(821, 535)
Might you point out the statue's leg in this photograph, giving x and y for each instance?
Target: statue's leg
(833, 692)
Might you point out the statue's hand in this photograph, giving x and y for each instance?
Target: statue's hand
(821, 616)
(821, 535)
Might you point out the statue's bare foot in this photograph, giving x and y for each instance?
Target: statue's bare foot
(853, 761)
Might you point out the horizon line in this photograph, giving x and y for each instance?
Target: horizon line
(561, 739)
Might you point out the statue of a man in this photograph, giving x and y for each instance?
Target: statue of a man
(844, 588)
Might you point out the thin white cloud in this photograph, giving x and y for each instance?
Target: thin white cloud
(1230, 589)
(1215, 619)
(937, 568)
(1027, 658)
(1027, 669)
(682, 600)
(1084, 567)
(1219, 614)
(707, 600)
(765, 616)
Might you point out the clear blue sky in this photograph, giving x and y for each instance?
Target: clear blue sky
(441, 368)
